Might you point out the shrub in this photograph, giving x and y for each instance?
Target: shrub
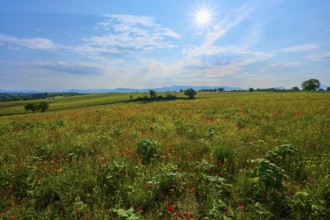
(147, 149)
(42, 107)
(152, 93)
(190, 93)
(288, 158)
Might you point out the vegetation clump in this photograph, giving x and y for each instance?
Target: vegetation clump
(42, 107)
(147, 149)
(191, 93)
(311, 85)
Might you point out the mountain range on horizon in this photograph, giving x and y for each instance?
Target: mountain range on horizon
(125, 90)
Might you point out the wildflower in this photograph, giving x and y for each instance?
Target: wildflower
(139, 209)
(193, 219)
(310, 180)
(220, 163)
(13, 216)
(38, 179)
(224, 210)
(173, 185)
(186, 214)
(170, 208)
(264, 196)
(167, 201)
(241, 206)
(13, 203)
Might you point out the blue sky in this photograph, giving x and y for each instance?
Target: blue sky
(80, 44)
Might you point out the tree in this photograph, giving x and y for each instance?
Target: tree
(328, 88)
(43, 106)
(311, 85)
(220, 89)
(30, 107)
(152, 93)
(190, 93)
(295, 88)
(251, 89)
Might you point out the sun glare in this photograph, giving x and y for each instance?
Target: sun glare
(202, 17)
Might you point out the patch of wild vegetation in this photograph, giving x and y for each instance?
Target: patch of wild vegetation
(220, 156)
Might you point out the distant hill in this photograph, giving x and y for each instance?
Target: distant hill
(125, 90)
(162, 89)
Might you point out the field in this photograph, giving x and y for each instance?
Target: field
(219, 156)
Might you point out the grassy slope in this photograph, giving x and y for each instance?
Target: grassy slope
(67, 102)
(83, 162)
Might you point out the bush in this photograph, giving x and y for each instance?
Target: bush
(42, 107)
(190, 93)
(147, 149)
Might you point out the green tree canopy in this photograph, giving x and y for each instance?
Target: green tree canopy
(190, 93)
(152, 93)
(311, 85)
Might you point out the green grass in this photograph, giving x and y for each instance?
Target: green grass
(67, 102)
(220, 156)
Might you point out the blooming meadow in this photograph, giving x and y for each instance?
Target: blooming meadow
(219, 156)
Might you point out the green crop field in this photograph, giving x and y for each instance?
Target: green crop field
(219, 156)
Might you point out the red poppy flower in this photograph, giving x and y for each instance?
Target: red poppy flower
(186, 214)
(170, 208)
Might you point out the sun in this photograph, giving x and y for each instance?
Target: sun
(203, 17)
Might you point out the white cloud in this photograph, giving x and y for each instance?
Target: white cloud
(31, 43)
(226, 24)
(299, 48)
(132, 32)
(320, 57)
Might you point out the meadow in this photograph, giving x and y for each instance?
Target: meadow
(219, 156)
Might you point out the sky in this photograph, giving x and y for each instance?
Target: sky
(83, 44)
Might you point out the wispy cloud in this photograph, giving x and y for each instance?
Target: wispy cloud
(299, 48)
(231, 20)
(31, 43)
(71, 68)
(215, 55)
(214, 61)
(132, 32)
(319, 57)
(285, 64)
